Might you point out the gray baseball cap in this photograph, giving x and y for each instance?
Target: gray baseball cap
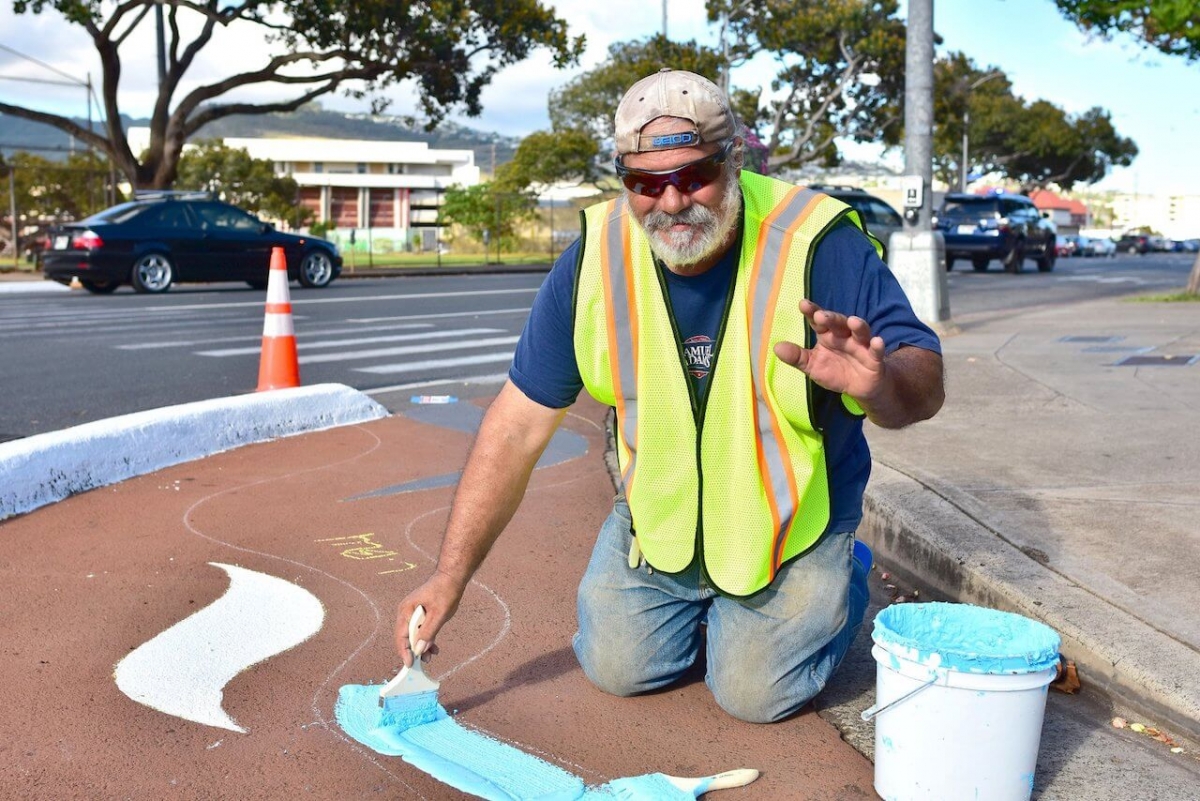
(672, 93)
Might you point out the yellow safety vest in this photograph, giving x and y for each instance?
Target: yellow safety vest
(742, 475)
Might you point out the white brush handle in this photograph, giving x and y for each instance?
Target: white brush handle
(414, 623)
(410, 679)
(721, 781)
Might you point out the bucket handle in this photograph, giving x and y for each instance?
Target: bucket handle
(869, 714)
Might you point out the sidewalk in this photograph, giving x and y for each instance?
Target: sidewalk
(1065, 486)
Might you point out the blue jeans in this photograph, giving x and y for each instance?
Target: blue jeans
(767, 655)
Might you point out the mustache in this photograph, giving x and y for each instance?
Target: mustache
(693, 215)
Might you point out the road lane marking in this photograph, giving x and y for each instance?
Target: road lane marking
(407, 350)
(341, 343)
(183, 671)
(367, 299)
(492, 378)
(434, 364)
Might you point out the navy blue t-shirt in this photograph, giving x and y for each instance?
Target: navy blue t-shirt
(847, 277)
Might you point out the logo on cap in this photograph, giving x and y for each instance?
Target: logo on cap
(675, 140)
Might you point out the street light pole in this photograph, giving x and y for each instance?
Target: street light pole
(963, 168)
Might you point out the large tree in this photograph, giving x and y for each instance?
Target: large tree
(1034, 144)
(824, 52)
(588, 102)
(1171, 26)
(450, 50)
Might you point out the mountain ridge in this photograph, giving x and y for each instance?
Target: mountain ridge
(20, 134)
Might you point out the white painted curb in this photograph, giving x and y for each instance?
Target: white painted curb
(46, 468)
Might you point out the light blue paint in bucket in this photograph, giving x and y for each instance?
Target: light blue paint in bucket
(961, 693)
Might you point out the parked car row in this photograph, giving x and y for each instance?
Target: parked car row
(165, 238)
(1079, 245)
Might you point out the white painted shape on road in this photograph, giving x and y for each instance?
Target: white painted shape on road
(183, 671)
(341, 343)
(44, 468)
(434, 364)
(377, 353)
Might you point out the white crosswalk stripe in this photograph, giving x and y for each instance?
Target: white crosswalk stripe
(434, 364)
(339, 343)
(408, 350)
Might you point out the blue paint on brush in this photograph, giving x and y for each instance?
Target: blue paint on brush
(968, 639)
(413, 709)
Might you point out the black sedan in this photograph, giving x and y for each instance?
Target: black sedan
(161, 239)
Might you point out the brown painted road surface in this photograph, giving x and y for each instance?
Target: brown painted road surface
(88, 580)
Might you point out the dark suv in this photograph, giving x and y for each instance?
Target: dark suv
(881, 219)
(996, 226)
(1135, 243)
(163, 238)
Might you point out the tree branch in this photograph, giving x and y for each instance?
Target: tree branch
(213, 113)
(62, 123)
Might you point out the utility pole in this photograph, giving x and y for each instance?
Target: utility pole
(162, 44)
(665, 20)
(12, 204)
(917, 255)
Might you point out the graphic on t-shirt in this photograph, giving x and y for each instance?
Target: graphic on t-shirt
(698, 352)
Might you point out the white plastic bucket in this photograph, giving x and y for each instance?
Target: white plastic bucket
(961, 693)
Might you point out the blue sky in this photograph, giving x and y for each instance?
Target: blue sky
(1155, 100)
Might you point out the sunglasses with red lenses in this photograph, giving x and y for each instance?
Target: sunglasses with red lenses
(687, 179)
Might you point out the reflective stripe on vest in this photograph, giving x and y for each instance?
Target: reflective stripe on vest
(764, 458)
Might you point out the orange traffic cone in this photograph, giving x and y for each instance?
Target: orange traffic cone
(279, 367)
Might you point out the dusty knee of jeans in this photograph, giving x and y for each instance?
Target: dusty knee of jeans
(761, 704)
(608, 668)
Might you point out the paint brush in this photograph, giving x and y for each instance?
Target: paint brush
(661, 787)
(411, 698)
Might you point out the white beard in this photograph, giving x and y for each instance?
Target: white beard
(708, 233)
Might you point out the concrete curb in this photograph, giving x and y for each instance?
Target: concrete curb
(46, 468)
(925, 532)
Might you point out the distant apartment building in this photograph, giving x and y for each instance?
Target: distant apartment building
(1173, 216)
(380, 190)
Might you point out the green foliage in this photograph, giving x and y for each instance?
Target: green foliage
(1034, 144)
(588, 102)
(449, 49)
(486, 211)
(57, 190)
(546, 157)
(233, 176)
(824, 48)
(1171, 26)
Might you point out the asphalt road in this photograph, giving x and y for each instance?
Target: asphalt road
(71, 358)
